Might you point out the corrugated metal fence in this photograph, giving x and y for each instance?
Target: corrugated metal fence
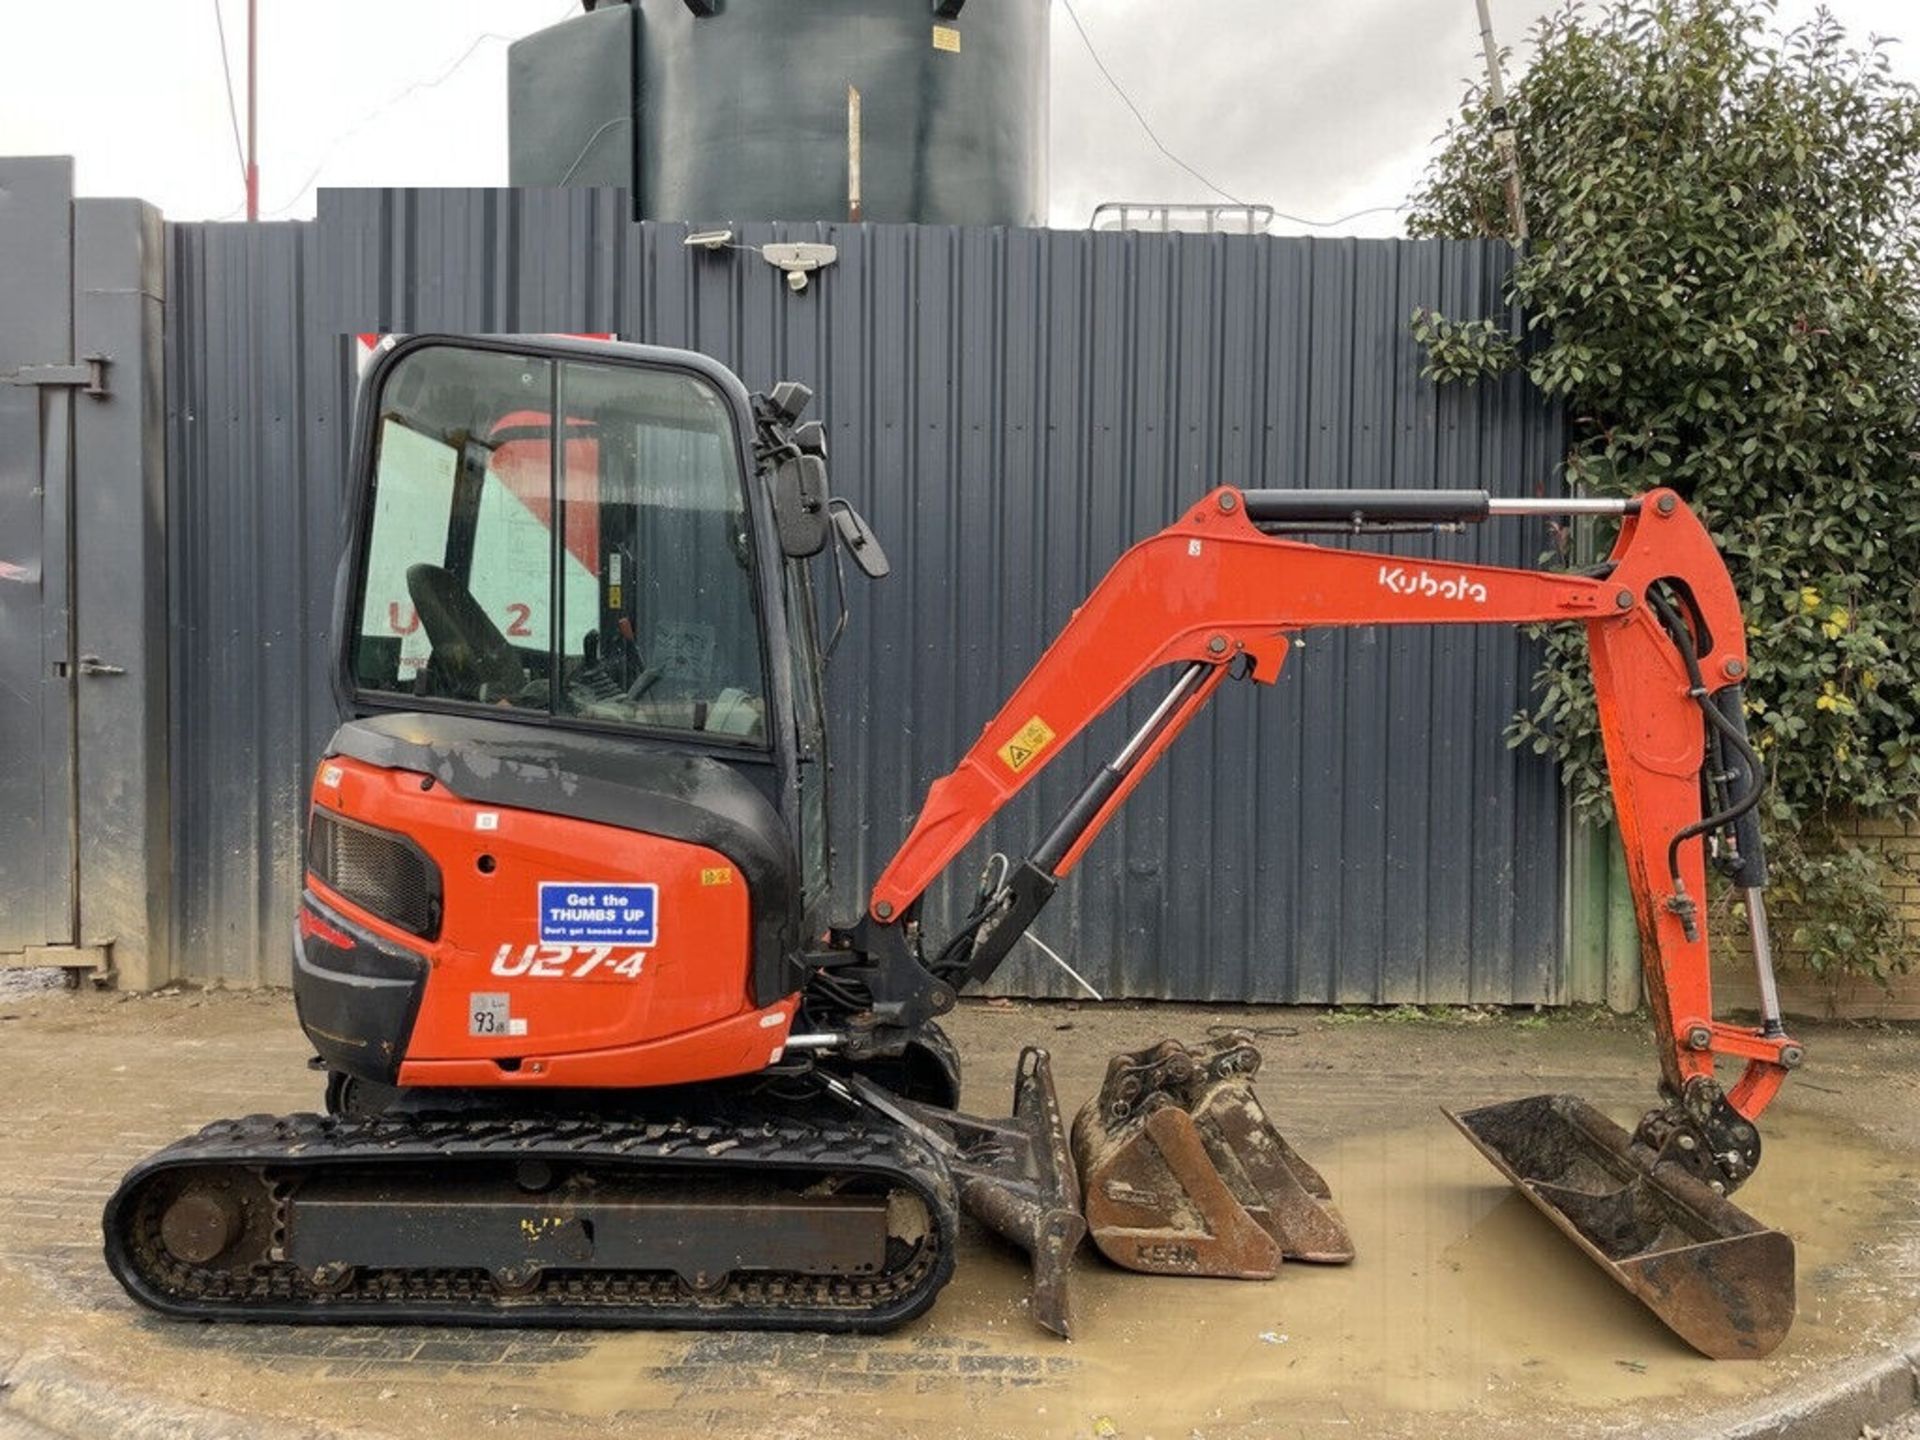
(1011, 409)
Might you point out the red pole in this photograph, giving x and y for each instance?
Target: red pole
(253, 59)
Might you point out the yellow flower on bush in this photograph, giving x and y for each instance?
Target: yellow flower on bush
(1830, 698)
(1837, 622)
(1809, 597)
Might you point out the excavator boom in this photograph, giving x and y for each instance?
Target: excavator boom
(1215, 592)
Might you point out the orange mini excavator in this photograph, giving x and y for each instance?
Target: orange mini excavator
(596, 1052)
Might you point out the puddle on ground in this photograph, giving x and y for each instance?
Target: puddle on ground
(1463, 1300)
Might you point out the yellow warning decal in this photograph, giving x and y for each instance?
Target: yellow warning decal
(718, 875)
(945, 37)
(1032, 738)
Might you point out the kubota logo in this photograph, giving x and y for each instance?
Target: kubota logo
(1402, 581)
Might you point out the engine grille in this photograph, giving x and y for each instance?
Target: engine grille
(381, 872)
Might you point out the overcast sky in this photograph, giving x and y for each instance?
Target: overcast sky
(1316, 108)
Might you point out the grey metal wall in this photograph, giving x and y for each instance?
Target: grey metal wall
(37, 859)
(1011, 408)
(85, 864)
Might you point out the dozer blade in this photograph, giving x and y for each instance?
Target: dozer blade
(1184, 1174)
(1015, 1175)
(1714, 1275)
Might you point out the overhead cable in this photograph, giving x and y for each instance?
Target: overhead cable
(417, 86)
(1160, 145)
(1127, 100)
(233, 109)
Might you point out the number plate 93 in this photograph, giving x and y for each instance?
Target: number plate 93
(487, 1014)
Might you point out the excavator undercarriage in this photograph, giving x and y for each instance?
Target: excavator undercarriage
(728, 1218)
(597, 1053)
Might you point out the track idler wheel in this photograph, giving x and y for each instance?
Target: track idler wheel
(221, 1217)
(1183, 1173)
(200, 1224)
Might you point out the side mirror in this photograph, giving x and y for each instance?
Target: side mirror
(800, 504)
(788, 399)
(811, 438)
(860, 541)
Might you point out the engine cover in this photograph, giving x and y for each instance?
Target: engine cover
(448, 940)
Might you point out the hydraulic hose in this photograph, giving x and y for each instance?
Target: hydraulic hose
(1683, 641)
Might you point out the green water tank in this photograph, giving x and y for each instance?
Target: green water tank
(738, 110)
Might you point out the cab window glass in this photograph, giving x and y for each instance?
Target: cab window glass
(409, 526)
(597, 568)
(512, 533)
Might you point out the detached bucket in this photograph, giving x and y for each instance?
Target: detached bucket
(1714, 1275)
(1182, 1173)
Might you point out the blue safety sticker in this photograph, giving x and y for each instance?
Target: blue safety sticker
(573, 913)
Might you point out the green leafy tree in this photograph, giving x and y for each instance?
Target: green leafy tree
(1723, 282)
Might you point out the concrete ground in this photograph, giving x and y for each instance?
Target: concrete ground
(1465, 1313)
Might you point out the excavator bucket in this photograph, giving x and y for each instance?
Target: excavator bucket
(1714, 1275)
(1183, 1173)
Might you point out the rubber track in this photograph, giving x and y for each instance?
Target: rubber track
(280, 1148)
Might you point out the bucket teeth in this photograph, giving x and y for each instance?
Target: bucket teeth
(1713, 1274)
(1182, 1173)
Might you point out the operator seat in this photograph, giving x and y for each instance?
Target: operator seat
(469, 655)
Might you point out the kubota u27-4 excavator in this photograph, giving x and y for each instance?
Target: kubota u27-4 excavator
(597, 1051)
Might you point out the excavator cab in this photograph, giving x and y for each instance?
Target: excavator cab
(581, 542)
(581, 774)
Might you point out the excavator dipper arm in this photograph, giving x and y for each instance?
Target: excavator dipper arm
(1217, 593)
